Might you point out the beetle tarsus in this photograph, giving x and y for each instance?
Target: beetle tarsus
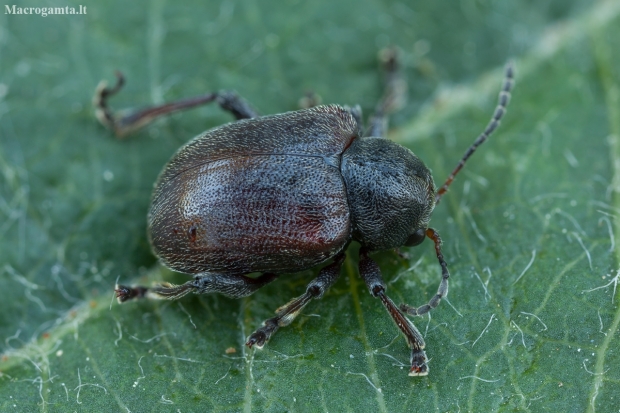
(418, 363)
(124, 293)
(260, 337)
(100, 100)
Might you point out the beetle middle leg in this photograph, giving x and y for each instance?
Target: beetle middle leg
(371, 274)
(235, 286)
(394, 95)
(125, 124)
(287, 313)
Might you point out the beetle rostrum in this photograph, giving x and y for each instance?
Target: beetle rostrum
(282, 193)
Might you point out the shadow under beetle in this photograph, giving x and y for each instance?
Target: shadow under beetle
(282, 193)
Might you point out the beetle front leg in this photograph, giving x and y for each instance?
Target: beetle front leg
(235, 286)
(442, 291)
(123, 125)
(370, 272)
(287, 313)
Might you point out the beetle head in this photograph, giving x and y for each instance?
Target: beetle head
(391, 193)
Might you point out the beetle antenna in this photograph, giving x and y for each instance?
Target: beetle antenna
(500, 110)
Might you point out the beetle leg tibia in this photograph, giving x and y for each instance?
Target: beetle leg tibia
(442, 291)
(235, 286)
(369, 271)
(287, 313)
(122, 125)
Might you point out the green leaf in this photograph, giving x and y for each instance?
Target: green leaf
(530, 227)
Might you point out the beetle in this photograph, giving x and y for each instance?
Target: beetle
(283, 193)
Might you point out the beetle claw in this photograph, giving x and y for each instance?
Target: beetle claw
(257, 339)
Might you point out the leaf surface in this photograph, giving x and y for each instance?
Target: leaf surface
(529, 227)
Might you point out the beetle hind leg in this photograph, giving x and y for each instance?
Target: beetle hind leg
(235, 286)
(287, 313)
(123, 125)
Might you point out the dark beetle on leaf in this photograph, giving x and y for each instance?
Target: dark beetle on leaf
(282, 193)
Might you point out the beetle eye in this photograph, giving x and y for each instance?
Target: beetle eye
(416, 238)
